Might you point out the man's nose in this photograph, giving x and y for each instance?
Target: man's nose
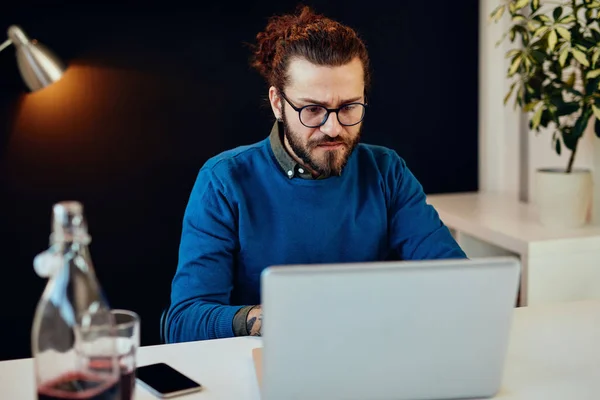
(332, 127)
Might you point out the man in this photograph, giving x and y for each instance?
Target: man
(309, 193)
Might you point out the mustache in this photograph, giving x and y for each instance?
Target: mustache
(327, 140)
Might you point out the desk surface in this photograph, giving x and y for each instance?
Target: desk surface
(554, 354)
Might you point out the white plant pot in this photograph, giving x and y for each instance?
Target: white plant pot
(564, 200)
(595, 177)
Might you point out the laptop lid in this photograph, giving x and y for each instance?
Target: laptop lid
(434, 329)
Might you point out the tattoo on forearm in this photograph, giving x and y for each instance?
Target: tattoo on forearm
(251, 322)
(259, 330)
(254, 323)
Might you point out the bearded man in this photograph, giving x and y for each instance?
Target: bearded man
(309, 193)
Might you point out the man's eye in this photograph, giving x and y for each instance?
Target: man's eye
(315, 109)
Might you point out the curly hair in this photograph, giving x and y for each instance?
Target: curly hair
(307, 35)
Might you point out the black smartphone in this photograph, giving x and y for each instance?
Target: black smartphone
(164, 381)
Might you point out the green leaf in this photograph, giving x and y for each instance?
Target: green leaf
(568, 109)
(597, 127)
(580, 56)
(563, 56)
(556, 14)
(501, 39)
(537, 117)
(556, 99)
(524, 34)
(541, 31)
(530, 106)
(535, 4)
(521, 3)
(515, 65)
(518, 18)
(587, 43)
(510, 92)
(568, 19)
(573, 91)
(581, 124)
(564, 32)
(589, 14)
(534, 88)
(513, 52)
(552, 39)
(519, 97)
(538, 56)
(497, 13)
(555, 69)
(593, 74)
(546, 118)
(569, 139)
(557, 146)
(532, 25)
(596, 111)
(595, 57)
(591, 85)
(543, 17)
(571, 80)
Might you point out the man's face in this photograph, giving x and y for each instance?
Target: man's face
(324, 150)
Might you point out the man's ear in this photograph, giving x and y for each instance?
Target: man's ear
(275, 101)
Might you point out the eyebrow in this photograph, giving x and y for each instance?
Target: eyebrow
(313, 101)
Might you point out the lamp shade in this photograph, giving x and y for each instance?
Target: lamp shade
(38, 65)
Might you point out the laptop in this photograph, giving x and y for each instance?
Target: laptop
(407, 330)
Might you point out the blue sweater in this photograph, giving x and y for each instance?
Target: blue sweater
(244, 215)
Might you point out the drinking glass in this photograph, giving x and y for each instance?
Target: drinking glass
(128, 341)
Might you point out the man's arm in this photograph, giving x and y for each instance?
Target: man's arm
(248, 321)
(200, 293)
(416, 231)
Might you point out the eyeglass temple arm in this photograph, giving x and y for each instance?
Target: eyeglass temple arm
(4, 45)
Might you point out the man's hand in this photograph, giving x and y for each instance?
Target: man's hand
(254, 321)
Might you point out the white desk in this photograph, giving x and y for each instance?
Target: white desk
(554, 354)
(558, 264)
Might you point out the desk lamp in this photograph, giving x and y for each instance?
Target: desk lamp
(38, 65)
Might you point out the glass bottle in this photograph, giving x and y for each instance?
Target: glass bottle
(73, 334)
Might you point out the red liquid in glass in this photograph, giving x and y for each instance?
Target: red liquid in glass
(127, 380)
(127, 384)
(79, 386)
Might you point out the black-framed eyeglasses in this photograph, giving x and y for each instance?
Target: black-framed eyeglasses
(315, 115)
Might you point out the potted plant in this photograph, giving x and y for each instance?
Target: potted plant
(555, 69)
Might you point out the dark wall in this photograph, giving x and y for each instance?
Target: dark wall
(153, 90)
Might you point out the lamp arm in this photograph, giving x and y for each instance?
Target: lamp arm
(4, 45)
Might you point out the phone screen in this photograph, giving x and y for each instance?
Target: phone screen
(164, 379)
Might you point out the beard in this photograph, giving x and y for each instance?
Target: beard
(333, 162)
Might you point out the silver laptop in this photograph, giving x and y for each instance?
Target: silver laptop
(387, 330)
